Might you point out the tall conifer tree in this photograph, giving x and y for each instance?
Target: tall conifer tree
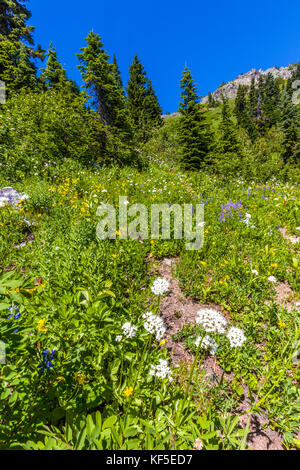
(194, 135)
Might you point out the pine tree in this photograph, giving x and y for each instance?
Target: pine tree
(194, 135)
(290, 125)
(153, 109)
(252, 96)
(228, 142)
(211, 101)
(53, 75)
(143, 104)
(17, 69)
(117, 72)
(241, 108)
(271, 100)
(100, 82)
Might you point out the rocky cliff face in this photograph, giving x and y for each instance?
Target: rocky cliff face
(229, 90)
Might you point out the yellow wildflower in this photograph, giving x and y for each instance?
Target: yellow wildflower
(80, 378)
(41, 325)
(128, 391)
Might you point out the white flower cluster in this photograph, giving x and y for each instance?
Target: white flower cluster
(160, 286)
(272, 279)
(154, 324)
(162, 370)
(207, 343)
(236, 337)
(247, 220)
(129, 331)
(211, 320)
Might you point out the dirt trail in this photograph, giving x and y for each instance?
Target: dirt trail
(177, 310)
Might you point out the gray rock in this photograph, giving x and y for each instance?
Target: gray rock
(11, 196)
(229, 90)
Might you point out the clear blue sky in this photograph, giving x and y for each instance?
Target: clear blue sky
(217, 39)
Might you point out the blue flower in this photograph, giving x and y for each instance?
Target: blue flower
(46, 363)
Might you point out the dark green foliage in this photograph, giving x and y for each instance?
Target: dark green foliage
(100, 81)
(117, 72)
(290, 125)
(143, 105)
(194, 135)
(17, 69)
(53, 75)
(38, 128)
(228, 142)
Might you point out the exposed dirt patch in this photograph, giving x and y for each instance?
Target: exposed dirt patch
(291, 238)
(178, 310)
(285, 296)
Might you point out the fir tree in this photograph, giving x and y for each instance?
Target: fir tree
(271, 100)
(228, 142)
(117, 72)
(100, 81)
(194, 135)
(153, 109)
(290, 125)
(17, 69)
(143, 104)
(241, 108)
(252, 97)
(53, 75)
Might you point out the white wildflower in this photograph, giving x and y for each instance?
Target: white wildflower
(119, 337)
(254, 271)
(160, 286)
(154, 325)
(207, 343)
(211, 320)
(236, 337)
(272, 279)
(129, 330)
(162, 370)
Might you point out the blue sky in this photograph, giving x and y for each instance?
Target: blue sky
(217, 39)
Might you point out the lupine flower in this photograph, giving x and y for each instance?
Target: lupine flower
(228, 208)
(14, 312)
(236, 337)
(47, 358)
(154, 325)
(160, 286)
(161, 370)
(211, 320)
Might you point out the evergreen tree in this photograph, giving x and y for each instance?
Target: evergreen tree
(153, 109)
(100, 81)
(194, 135)
(252, 97)
(211, 100)
(17, 69)
(228, 142)
(117, 72)
(241, 108)
(290, 125)
(53, 74)
(271, 100)
(143, 105)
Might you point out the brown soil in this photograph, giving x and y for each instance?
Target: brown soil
(178, 310)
